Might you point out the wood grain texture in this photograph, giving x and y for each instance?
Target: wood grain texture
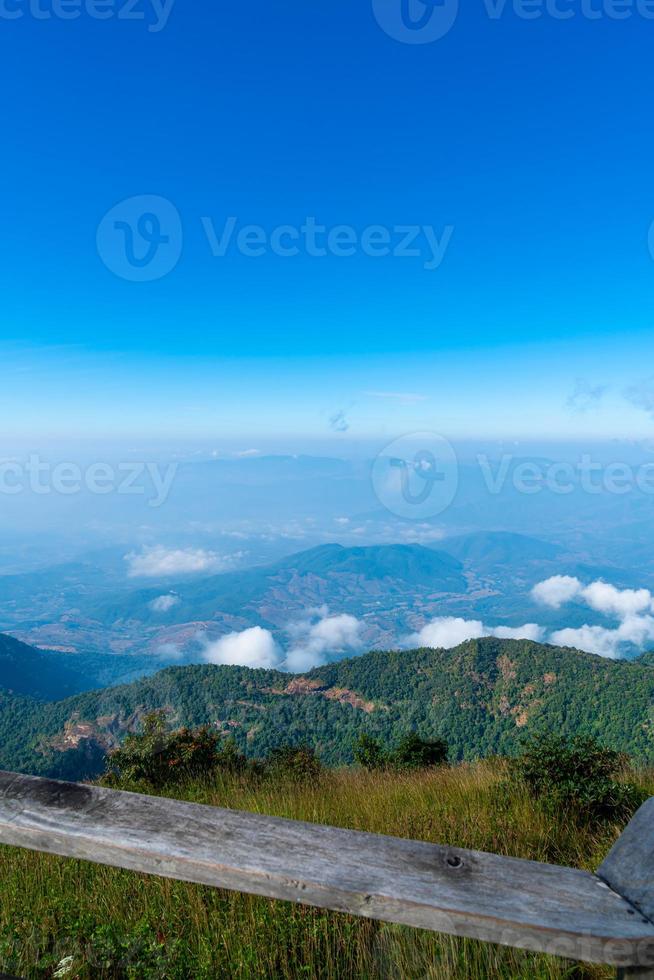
(629, 865)
(467, 893)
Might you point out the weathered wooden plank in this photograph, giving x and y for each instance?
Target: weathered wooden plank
(629, 865)
(467, 893)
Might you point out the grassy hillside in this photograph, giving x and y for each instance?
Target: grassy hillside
(115, 924)
(482, 698)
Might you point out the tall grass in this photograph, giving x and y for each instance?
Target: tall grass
(75, 920)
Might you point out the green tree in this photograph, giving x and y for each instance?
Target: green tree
(369, 753)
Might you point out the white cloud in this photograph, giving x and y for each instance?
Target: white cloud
(448, 631)
(600, 596)
(585, 396)
(158, 562)
(592, 639)
(164, 602)
(530, 631)
(556, 590)
(254, 647)
(632, 608)
(169, 651)
(635, 630)
(616, 602)
(313, 640)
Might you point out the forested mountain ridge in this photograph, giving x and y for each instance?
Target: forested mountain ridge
(481, 697)
(25, 670)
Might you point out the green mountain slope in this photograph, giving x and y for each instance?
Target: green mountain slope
(482, 697)
(28, 671)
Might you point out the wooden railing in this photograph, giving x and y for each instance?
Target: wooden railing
(606, 917)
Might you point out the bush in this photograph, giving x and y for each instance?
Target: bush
(160, 757)
(411, 752)
(297, 762)
(578, 775)
(369, 753)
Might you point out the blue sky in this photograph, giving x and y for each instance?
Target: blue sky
(531, 140)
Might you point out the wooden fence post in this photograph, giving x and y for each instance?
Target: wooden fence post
(629, 870)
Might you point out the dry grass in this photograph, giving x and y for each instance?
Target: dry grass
(119, 924)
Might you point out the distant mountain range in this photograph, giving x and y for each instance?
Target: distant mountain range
(392, 589)
(482, 697)
(329, 573)
(490, 549)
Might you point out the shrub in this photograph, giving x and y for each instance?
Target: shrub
(159, 757)
(576, 774)
(413, 752)
(297, 762)
(369, 753)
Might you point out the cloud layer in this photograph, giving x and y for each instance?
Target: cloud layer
(632, 608)
(313, 639)
(254, 647)
(446, 632)
(320, 635)
(164, 602)
(329, 635)
(159, 562)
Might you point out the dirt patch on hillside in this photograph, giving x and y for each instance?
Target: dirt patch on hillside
(303, 686)
(349, 697)
(506, 667)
